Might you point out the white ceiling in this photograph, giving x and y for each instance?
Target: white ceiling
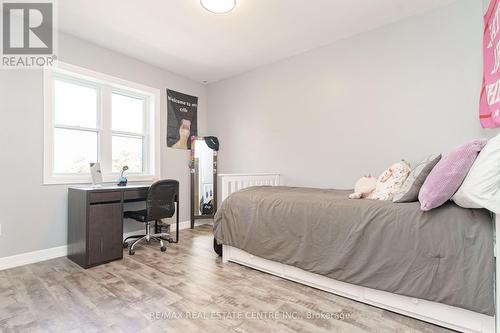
(180, 36)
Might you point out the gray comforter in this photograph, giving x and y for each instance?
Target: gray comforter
(445, 255)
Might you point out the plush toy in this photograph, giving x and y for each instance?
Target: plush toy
(364, 187)
(389, 182)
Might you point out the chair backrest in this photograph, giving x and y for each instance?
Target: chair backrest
(162, 196)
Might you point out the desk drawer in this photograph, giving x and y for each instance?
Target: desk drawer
(136, 194)
(111, 196)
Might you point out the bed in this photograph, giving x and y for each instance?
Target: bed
(437, 266)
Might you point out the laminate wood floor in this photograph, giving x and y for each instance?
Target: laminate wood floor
(186, 289)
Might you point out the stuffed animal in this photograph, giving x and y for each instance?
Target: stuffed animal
(364, 187)
(389, 182)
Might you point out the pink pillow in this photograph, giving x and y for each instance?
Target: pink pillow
(447, 176)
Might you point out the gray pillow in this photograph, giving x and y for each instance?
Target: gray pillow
(409, 191)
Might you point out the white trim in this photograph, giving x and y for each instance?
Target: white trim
(436, 313)
(33, 257)
(109, 84)
(182, 226)
(234, 182)
(187, 224)
(62, 251)
(101, 78)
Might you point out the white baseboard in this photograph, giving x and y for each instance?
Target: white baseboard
(182, 225)
(62, 251)
(33, 257)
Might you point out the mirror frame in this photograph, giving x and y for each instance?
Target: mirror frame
(192, 171)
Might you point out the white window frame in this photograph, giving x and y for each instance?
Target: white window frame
(105, 85)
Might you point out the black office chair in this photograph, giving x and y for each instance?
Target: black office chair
(162, 202)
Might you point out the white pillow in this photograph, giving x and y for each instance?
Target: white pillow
(481, 187)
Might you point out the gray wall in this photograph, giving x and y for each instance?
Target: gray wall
(322, 118)
(331, 115)
(34, 215)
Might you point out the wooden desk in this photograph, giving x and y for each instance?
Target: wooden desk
(95, 222)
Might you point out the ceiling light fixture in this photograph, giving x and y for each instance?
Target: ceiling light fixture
(218, 6)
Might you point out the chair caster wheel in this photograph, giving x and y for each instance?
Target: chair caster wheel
(163, 248)
(125, 245)
(131, 252)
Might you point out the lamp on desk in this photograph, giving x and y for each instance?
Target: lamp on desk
(122, 181)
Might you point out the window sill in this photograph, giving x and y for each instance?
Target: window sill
(107, 180)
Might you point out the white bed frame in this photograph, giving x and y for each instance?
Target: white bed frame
(440, 314)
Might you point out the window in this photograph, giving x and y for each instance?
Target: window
(127, 132)
(92, 117)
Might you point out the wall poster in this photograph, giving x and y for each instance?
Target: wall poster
(489, 110)
(182, 119)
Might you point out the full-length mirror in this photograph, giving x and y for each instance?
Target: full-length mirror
(203, 177)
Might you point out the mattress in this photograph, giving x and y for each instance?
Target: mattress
(444, 255)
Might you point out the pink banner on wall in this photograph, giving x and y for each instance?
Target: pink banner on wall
(489, 111)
